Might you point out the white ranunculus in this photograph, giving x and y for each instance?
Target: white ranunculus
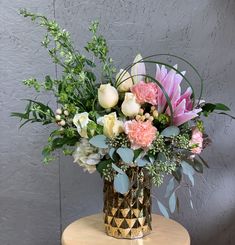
(87, 156)
(81, 120)
(107, 96)
(111, 125)
(130, 107)
(124, 81)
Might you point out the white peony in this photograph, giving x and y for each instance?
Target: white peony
(107, 96)
(87, 156)
(130, 107)
(124, 81)
(81, 120)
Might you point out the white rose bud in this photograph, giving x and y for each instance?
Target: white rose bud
(124, 81)
(130, 107)
(107, 96)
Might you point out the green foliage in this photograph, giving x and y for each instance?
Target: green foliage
(98, 46)
(77, 80)
(158, 145)
(181, 142)
(104, 167)
(75, 89)
(209, 108)
(158, 170)
(32, 82)
(35, 112)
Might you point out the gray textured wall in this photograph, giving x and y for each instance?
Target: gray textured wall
(37, 201)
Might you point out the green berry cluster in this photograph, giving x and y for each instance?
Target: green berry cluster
(158, 170)
(108, 173)
(158, 146)
(119, 141)
(181, 142)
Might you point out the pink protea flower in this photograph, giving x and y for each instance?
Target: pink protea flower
(182, 104)
(141, 134)
(197, 139)
(145, 92)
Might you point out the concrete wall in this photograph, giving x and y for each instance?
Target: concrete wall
(37, 201)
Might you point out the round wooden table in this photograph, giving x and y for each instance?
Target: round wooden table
(90, 231)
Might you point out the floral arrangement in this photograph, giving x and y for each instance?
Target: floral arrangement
(121, 120)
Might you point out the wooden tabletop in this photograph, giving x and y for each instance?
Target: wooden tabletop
(90, 231)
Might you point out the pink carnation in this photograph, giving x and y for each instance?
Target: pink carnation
(141, 134)
(145, 92)
(197, 138)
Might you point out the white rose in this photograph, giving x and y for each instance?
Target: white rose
(124, 81)
(81, 120)
(107, 96)
(130, 107)
(112, 126)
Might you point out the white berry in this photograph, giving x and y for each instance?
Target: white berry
(62, 123)
(58, 117)
(66, 113)
(58, 111)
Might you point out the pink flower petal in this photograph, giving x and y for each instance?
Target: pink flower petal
(183, 118)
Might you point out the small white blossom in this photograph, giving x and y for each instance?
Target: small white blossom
(81, 120)
(87, 156)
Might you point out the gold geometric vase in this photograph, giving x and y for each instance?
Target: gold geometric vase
(128, 216)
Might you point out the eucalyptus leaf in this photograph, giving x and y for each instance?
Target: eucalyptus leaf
(116, 168)
(111, 152)
(172, 202)
(161, 157)
(170, 131)
(121, 183)
(191, 204)
(178, 173)
(141, 162)
(188, 170)
(203, 161)
(170, 187)
(126, 154)
(162, 209)
(99, 141)
(197, 165)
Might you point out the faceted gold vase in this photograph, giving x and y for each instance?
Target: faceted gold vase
(129, 215)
